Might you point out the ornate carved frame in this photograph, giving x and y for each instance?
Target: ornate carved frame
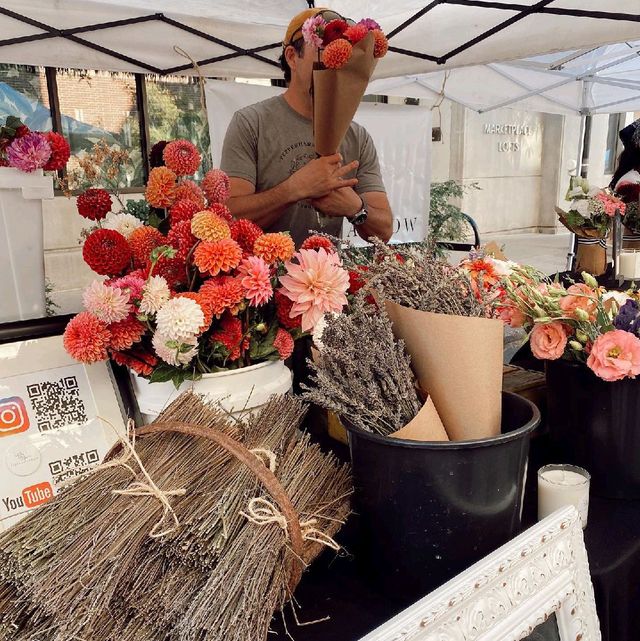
(506, 595)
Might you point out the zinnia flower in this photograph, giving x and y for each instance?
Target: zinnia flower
(126, 224)
(215, 185)
(125, 333)
(337, 54)
(180, 319)
(274, 247)
(548, 340)
(161, 187)
(108, 304)
(143, 241)
(245, 233)
(94, 204)
(256, 280)
(138, 359)
(316, 241)
(223, 294)
(221, 256)
(206, 225)
(334, 30)
(355, 33)
(182, 210)
(313, 30)
(181, 238)
(316, 284)
(381, 45)
(175, 352)
(283, 342)
(106, 251)
(155, 294)
(182, 157)
(29, 153)
(86, 338)
(188, 190)
(60, 151)
(230, 336)
(615, 355)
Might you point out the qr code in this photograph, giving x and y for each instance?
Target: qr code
(75, 465)
(57, 403)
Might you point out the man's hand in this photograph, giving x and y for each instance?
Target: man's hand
(319, 177)
(339, 202)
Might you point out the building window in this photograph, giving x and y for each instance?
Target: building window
(23, 93)
(175, 110)
(616, 122)
(101, 106)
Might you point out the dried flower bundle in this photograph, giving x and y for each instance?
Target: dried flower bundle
(85, 567)
(364, 373)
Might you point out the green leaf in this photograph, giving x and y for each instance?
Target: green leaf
(161, 252)
(163, 373)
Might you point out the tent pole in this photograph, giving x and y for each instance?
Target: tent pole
(579, 172)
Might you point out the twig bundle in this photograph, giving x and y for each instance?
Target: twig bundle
(84, 566)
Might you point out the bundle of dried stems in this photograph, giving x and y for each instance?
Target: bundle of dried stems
(85, 566)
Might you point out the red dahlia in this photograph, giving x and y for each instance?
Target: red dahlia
(283, 343)
(229, 334)
(245, 233)
(181, 238)
(182, 210)
(283, 309)
(142, 241)
(221, 210)
(316, 242)
(334, 30)
(138, 359)
(94, 204)
(125, 333)
(174, 271)
(22, 130)
(107, 252)
(60, 152)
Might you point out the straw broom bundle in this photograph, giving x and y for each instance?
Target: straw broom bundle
(85, 566)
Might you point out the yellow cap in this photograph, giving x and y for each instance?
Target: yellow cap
(297, 22)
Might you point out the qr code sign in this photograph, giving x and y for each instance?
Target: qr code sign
(72, 466)
(57, 403)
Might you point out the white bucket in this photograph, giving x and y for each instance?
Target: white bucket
(21, 243)
(239, 391)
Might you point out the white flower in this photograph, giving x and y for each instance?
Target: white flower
(108, 304)
(175, 352)
(123, 223)
(180, 319)
(321, 325)
(581, 206)
(155, 294)
(502, 267)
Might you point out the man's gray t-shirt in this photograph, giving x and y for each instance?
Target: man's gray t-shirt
(267, 142)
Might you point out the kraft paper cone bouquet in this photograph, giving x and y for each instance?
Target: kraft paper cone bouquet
(418, 355)
(347, 55)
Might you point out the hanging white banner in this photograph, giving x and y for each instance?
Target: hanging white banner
(401, 133)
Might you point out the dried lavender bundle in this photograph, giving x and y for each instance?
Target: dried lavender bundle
(364, 372)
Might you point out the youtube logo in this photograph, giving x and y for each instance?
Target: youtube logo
(37, 494)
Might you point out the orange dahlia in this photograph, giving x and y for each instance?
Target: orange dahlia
(86, 338)
(206, 225)
(355, 33)
(216, 186)
(274, 247)
(181, 238)
(316, 241)
(221, 210)
(183, 209)
(182, 157)
(142, 241)
(205, 306)
(381, 45)
(245, 233)
(138, 359)
(125, 333)
(106, 251)
(215, 257)
(223, 294)
(161, 187)
(188, 190)
(336, 54)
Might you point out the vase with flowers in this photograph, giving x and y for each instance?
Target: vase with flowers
(194, 298)
(24, 157)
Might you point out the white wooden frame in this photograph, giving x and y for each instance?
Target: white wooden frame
(506, 595)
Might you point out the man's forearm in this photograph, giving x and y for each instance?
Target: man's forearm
(265, 207)
(379, 223)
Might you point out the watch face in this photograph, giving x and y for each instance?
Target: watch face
(359, 218)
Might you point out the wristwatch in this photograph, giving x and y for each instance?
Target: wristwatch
(360, 217)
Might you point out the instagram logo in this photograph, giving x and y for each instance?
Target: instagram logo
(13, 416)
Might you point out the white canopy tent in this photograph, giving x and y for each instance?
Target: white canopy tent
(230, 38)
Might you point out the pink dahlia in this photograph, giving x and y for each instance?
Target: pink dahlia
(130, 283)
(29, 153)
(316, 284)
(86, 338)
(215, 185)
(108, 304)
(255, 278)
(313, 30)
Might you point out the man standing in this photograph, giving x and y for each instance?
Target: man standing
(276, 179)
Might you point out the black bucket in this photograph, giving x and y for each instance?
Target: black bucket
(428, 510)
(596, 425)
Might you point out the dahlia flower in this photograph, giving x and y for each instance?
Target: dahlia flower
(161, 187)
(245, 233)
(181, 238)
(126, 224)
(106, 303)
(223, 294)
(106, 251)
(221, 256)
(94, 204)
(206, 225)
(125, 333)
(221, 210)
(369, 23)
(283, 311)
(60, 151)
(316, 241)
(205, 305)
(381, 45)
(334, 30)
(29, 153)
(182, 157)
(175, 352)
(215, 185)
(138, 359)
(173, 270)
(316, 284)
(180, 319)
(230, 335)
(86, 338)
(313, 30)
(274, 247)
(155, 294)
(256, 280)
(143, 241)
(130, 283)
(336, 54)
(283, 342)
(183, 209)
(355, 33)
(188, 190)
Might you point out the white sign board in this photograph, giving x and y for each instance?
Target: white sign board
(401, 133)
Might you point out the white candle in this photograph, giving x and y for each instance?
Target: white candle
(562, 485)
(629, 265)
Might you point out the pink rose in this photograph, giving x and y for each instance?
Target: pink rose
(615, 355)
(548, 340)
(579, 296)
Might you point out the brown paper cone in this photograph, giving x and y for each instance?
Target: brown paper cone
(592, 259)
(458, 360)
(337, 94)
(425, 426)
